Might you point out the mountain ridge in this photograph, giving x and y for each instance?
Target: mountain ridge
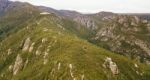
(39, 45)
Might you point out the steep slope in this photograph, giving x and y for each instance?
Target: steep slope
(14, 14)
(127, 35)
(124, 34)
(43, 50)
(37, 45)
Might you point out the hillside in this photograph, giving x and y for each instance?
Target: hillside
(125, 34)
(39, 45)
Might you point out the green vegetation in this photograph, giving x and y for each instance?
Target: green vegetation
(47, 47)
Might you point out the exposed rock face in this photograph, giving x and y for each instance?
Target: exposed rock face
(82, 77)
(137, 19)
(10, 68)
(111, 65)
(104, 33)
(18, 64)
(44, 40)
(145, 21)
(113, 31)
(143, 46)
(121, 20)
(120, 32)
(74, 58)
(114, 68)
(38, 52)
(128, 21)
(136, 65)
(86, 21)
(26, 44)
(45, 57)
(108, 18)
(31, 47)
(9, 51)
(59, 65)
(71, 72)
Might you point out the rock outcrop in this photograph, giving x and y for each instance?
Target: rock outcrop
(44, 40)
(26, 44)
(10, 68)
(9, 51)
(71, 71)
(38, 51)
(143, 46)
(45, 57)
(18, 64)
(31, 47)
(86, 21)
(111, 65)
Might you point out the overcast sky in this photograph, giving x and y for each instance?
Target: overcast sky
(92, 6)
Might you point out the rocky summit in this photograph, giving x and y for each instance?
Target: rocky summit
(41, 43)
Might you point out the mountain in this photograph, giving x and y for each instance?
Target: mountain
(123, 34)
(14, 14)
(120, 33)
(3, 5)
(127, 35)
(63, 13)
(56, 45)
(140, 15)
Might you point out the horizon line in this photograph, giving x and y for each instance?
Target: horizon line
(85, 12)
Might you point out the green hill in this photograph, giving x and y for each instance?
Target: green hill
(37, 45)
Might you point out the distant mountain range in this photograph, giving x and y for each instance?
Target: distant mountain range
(41, 43)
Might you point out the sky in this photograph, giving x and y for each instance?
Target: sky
(93, 6)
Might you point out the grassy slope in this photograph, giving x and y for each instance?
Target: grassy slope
(86, 58)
